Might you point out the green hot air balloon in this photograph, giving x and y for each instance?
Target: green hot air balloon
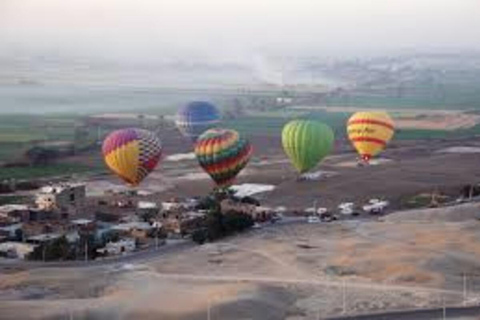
(306, 143)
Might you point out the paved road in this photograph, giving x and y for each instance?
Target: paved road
(140, 257)
(426, 314)
(135, 257)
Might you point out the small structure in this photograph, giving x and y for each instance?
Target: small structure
(147, 210)
(231, 205)
(43, 238)
(66, 198)
(185, 223)
(32, 229)
(83, 225)
(105, 216)
(119, 247)
(258, 213)
(9, 232)
(82, 222)
(137, 230)
(16, 250)
(13, 213)
(27, 214)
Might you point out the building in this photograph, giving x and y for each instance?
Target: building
(32, 229)
(147, 210)
(83, 225)
(43, 238)
(137, 230)
(10, 231)
(176, 205)
(12, 213)
(184, 223)
(237, 206)
(258, 213)
(16, 250)
(67, 199)
(119, 247)
(171, 206)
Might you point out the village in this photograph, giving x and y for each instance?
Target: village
(65, 224)
(103, 228)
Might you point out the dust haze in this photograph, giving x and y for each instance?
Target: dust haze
(235, 31)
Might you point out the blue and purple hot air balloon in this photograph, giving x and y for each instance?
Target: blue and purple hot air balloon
(197, 117)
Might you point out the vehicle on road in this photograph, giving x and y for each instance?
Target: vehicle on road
(313, 219)
(375, 206)
(347, 209)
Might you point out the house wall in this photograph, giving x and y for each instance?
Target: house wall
(69, 200)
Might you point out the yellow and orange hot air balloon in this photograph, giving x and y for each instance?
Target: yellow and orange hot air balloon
(369, 132)
(132, 154)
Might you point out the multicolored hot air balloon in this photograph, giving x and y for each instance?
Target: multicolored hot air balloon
(197, 117)
(306, 143)
(370, 132)
(132, 153)
(222, 153)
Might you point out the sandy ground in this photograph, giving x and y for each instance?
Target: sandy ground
(402, 172)
(460, 149)
(295, 272)
(406, 260)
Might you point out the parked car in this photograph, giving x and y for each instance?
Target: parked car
(375, 206)
(313, 219)
(328, 217)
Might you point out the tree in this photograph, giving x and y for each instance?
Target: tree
(200, 236)
(57, 249)
(237, 222)
(214, 222)
(19, 235)
(207, 203)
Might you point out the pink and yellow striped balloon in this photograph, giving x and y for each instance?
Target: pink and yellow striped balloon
(132, 154)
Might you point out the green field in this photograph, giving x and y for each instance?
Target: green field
(59, 169)
(18, 133)
(273, 124)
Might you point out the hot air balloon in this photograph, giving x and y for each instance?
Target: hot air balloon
(306, 143)
(197, 117)
(370, 132)
(132, 154)
(222, 153)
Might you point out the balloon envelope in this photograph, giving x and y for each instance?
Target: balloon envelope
(222, 153)
(197, 117)
(369, 132)
(306, 143)
(132, 153)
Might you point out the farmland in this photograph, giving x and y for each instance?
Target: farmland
(20, 132)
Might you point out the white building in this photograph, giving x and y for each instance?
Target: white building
(16, 250)
(119, 247)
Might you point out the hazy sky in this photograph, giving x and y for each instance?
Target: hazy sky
(236, 29)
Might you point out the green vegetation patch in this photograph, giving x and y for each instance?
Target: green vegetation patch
(60, 169)
(12, 200)
(272, 124)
